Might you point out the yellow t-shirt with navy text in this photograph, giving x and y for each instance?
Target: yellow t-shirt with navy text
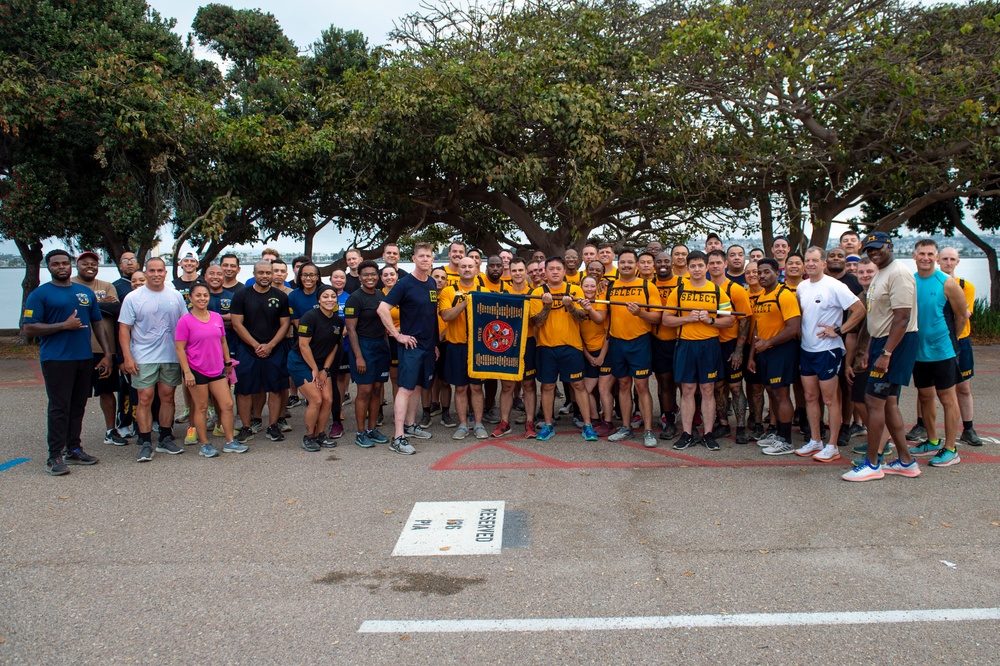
(740, 300)
(457, 330)
(773, 309)
(560, 328)
(665, 287)
(709, 296)
(625, 325)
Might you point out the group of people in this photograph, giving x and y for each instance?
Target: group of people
(719, 329)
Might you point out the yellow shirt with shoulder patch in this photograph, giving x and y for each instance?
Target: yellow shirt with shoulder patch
(560, 328)
(709, 296)
(740, 300)
(457, 330)
(970, 300)
(665, 287)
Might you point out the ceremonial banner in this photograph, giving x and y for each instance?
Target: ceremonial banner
(497, 323)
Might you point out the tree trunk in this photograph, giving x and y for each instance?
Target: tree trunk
(32, 255)
(991, 252)
(766, 222)
(793, 205)
(310, 238)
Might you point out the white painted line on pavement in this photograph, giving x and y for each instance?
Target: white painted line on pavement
(679, 621)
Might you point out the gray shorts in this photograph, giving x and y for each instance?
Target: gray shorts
(152, 373)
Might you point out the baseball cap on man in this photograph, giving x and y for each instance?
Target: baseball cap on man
(876, 240)
(853, 259)
(189, 255)
(88, 254)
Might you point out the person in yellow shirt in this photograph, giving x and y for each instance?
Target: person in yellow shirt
(755, 389)
(440, 401)
(556, 318)
(645, 266)
(630, 346)
(606, 255)
(456, 252)
(948, 260)
(698, 354)
(573, 273)
(679, 255)
(519, 285)
(795, 266)
(453, 307)
(663, 342)
(775, 351)
(731, 340)
(596, 372)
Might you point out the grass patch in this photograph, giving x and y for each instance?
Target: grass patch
(985, 324)
(11, 349)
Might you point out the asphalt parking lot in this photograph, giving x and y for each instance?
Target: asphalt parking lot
(611, 553)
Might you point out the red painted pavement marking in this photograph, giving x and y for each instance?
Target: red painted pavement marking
(539, 461)
(39, 379)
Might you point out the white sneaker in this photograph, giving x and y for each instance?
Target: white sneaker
(779, 448)
(812, 447)
(829, 453)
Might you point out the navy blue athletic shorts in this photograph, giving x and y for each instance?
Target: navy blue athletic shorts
(663, 356)
(779, 366)
(697, 361)
(823, 364)
(376, 354)
(261, 375)
(630, 358)
(416, 367)
(456, 366)
(564, 362)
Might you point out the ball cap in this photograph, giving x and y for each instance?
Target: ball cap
(88, 254)
(876, 240)
(189, 255)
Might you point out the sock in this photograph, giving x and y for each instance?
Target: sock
(933, 442)
(785, 431)
(967, 425)
(920, 421)
(164, 432)
(145, 437)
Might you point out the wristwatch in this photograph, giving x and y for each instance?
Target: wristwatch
(840, 333)
(886, 352)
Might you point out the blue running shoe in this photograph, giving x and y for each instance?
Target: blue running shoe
(588, 433)
(377, 436)
(926, 449)
(945, 458)
(546, 433)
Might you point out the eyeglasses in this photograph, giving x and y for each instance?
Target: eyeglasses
(129, 260)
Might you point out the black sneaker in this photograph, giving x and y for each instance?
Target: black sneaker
(293, 401)
(741, 436)
(447, 420)
(722, 430)
(112, 437)
(325, 441)
(56, 467)
(244, 435)
(274, 433)
(971, 437)
(168, 445)
(669, 430)
(518, 404)
(282, 424)
(308, 443)
(145, 452)
(381, 417)
(757, 432)
(80, 457)
(425, 419)
(844, 436)
(256, 425)
(709, 441)
(685, 441)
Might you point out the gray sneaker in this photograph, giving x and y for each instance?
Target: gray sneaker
(145, 453)
(917, 433)
(461, 432)
(208, 451)
(417, 432)
(649, 439)
(768, 439)
(492, 417)
(480, 432)
(401, 445)
(168, 445)
(235, 447)
(971, 437)
(621, 434)
(779, 448)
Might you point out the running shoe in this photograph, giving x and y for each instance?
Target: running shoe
(649, 439)
(425, 419)
(256, 425)
(861, 459)
(829, 453)
(235, 447)
(145, 452)
(168, 445)
(566, 409)
(861, 447)
(293, 401)
(416, 431)
(208, 450)
(898, 468)
(971, 437)
(183, 416)
(741, 436)
(245, 434)
(926, 449)
(604, 428)
(218, 431)
(946, 458)
(377, 436)
(529, 430)
(283, 425)
(858, 429)
(112, 437)
(844, 435)
(336, 430)
(56, 467)
(402, 446)
(191, 438)
(363, 440)
(917, 433)
(809, 449)
(435, 408)
(669, 430)
(621, 434)
(779, 447)
(492, 417)
(324, 440)
(80, 457)
(546, 433)
(588, 433)
(274, 433)
(519, 404)
(448, 420)
(503, 428)
(480, 431)
(708, 439)
(685, 441)
(461, 432)
(769, 438)
(721, 431)
(636, 421)
(864, 472)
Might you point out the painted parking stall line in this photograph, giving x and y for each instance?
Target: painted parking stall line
(680, 621)
(452, 528)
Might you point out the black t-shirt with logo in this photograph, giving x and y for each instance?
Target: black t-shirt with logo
(262, 313)
(322, 332)
(364, 307)
(417, 301)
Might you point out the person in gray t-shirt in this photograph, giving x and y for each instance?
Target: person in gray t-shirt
(147, 321)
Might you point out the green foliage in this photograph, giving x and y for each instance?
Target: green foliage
(985, 320)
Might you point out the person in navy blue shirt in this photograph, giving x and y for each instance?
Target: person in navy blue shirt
(62, 314)
(416, 296)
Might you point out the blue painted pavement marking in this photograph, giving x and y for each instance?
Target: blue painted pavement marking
(13, 463)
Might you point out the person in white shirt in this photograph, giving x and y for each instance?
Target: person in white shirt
(823, 301)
